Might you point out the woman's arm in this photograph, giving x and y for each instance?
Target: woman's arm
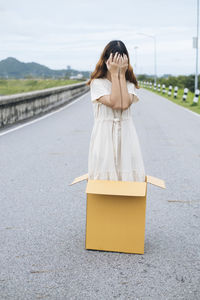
(119, 98)
(114, 99)
(115, 96)
(126, 98)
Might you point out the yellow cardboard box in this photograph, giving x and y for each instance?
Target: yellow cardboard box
(115, 214)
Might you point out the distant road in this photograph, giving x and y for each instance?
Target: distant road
(43, 218)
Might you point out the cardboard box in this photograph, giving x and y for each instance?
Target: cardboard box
(115, 214)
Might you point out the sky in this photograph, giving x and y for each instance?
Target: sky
(61, 33)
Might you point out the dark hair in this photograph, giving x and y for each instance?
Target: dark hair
(101, 68)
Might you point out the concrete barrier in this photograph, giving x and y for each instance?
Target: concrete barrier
(20, 107)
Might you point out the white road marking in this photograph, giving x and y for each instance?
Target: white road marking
(43, 117)
(189, 110)
(67, 105)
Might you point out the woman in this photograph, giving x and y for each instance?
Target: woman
(114, 151)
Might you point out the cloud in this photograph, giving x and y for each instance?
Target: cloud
(65, 32)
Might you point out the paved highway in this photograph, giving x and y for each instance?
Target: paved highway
(42, 218)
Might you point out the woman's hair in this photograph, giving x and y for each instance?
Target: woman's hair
(101, 68)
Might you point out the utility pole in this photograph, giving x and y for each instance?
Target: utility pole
(136, 65)
(197, 47)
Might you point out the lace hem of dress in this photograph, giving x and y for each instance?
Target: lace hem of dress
(134, 175)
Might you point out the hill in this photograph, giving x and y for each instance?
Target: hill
(13, 68)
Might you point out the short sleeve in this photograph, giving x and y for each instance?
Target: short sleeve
(131, 90)
(98, 89)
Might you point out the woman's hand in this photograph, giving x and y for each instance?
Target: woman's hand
(113, 64)
(123, 64)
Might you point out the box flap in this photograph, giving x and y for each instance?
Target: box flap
(80, 178)
(156, 181)
(120, 188)
(122, 184)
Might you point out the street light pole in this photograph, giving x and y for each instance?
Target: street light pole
(197, 46)
(155, 54)
(155, 64)
(136, 47)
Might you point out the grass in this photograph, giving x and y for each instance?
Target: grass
(15, 86)
(188, 103)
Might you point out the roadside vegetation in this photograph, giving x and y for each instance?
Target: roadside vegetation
(16, 86)
(182, 82)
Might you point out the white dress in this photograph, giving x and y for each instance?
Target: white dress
(114, 150)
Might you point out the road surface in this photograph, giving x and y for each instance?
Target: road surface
(43, 218)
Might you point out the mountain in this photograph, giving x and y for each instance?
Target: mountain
(13, 68)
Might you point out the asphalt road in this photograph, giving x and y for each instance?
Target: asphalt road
(42, 218)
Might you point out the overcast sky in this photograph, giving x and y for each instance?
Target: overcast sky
(66, 32)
